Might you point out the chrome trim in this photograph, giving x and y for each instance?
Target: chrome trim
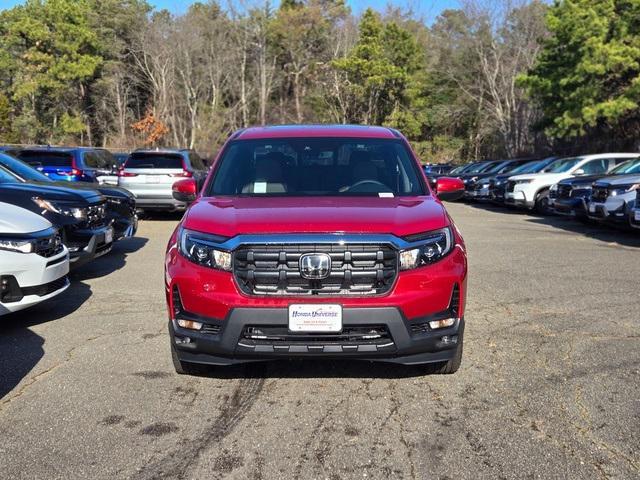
(328, 238)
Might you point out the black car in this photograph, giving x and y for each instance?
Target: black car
(121, 204)
(498, 183)
(78, 213)
(477, 187)
(438, 169)
(570, 197)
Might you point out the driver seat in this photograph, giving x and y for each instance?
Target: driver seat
(362, 167)
(269, 177)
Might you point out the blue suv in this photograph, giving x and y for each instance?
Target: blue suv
(71, 164)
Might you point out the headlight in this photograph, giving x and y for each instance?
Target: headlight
(201, 248)
(624, 189)
(524, 181)
(433, 246)
(17, 245)
(554, 187)
(61, 208)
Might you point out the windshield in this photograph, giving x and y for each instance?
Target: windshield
(317, 167)
(562, 165)
(22, 170)
(631, 166)
(154, 160)
(45, 158)
(7, 177)
(528, 167)
(479, 167)
(460, 169)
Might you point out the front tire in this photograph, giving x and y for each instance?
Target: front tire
(542, 203)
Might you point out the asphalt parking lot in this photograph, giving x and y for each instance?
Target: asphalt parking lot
(549, 386)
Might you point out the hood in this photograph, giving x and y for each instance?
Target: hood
(619, 179)
(542, 177)
(399, 216)
(53, 192)
(104, 189)
(582, 179)
(16, 220)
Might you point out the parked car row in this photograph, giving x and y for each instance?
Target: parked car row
(602, 187)
(54, 221)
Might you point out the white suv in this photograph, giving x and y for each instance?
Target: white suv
(33, 261)
(532, 190)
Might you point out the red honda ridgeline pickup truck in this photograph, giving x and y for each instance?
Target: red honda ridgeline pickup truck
(316, 242)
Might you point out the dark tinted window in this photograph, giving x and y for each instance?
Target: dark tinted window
(45, 158)
(6, 177)
(196, 161)
(316, 167)
(154, 160)
(93, 159)
(21, 169)
(596, 166)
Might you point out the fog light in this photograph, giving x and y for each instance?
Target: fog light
(190, 324)
(447, 322)
(449, 339)
(182, 340)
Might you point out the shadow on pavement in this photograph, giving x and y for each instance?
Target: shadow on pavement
(314, 369)
(109, 263)
(20, 351)
(20, 348)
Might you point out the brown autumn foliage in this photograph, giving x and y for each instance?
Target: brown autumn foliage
(153, 127)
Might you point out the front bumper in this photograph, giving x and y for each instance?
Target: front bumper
(613, 212)
(570, 207)
(86, 245)
(228, 343)
(30, 279)
(634, 216)
(518, 198)
(482, 193)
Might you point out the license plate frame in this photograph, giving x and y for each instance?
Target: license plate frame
(315, 318)
(108, 235)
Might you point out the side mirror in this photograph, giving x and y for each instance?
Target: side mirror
(185, 190)
(579, 171)
(449, 188)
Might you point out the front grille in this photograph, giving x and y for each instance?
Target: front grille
(279, 335)
(46, 289)
(599, 193)
(564, 191)
(49, 246)
(357, 269)
(511, 186)
(96, 216)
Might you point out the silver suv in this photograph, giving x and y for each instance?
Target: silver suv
(613, 198)
(150, 174)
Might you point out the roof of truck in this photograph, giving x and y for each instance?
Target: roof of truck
(300, 131)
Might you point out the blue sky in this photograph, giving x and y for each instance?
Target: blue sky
(429, 9)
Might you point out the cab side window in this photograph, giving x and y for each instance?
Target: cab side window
(596, 166)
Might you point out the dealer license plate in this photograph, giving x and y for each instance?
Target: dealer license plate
(636, 215)
(108, 235)
(592, 208)
(315, 318)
